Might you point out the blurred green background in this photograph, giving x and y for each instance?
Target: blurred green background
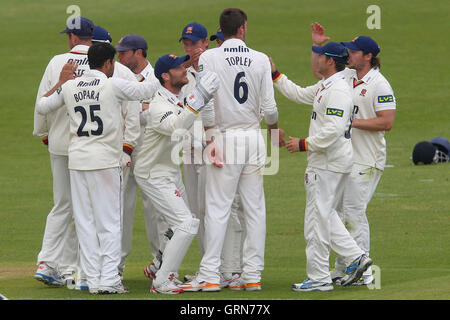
(409, 214)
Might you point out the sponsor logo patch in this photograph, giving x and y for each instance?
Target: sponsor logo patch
(58, 91)
(200, 68)
(335, 112)
(385, 99)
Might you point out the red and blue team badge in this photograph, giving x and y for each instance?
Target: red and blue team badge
(363, 92)
(177, 193)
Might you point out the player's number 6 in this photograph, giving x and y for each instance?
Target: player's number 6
(238, 85)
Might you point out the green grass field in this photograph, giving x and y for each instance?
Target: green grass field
(409, 214)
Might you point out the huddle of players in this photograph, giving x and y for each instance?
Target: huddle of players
(172, 98)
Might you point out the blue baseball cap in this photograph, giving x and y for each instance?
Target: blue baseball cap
(442, 144)
(79, 26)
(364, 43)
(167, 62)
(194, 31)
(218, 35)
(131, 41)
(334, 50)
(101, 35)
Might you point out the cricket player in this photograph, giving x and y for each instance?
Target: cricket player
(218, 37)
(329, 164)
(157, 167)
(374, 112)
(57, 260)
(195, 41)
(132, 52)
(245, 89)
(93, 103)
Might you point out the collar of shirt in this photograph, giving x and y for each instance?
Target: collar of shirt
(80, 49)
(172, 98)
(330, 80)
(192, 70)
(96, 73)
(367, 78)
(233, 42)
(145, 74)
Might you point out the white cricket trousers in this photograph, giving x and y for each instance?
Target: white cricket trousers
(195, 179)
(358, 192)
(60, 242)
(248, 151)
(323, 229)
(97, 208)
(155, 225)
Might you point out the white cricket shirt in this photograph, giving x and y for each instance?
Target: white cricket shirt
(56, 125)
(371, 94)
(166, 116)
(329, 144)
(93, 103)
(246, 88)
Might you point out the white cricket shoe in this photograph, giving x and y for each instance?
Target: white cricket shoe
(189, 277)
(48, 275)
(81, 284)
(309, 285)
(225, 280)
(69, 280)
(239, 284)
(120, 289)
(195, 285)
(167, 287)
(355, 270)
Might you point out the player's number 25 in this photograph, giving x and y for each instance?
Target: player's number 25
(238, 84)
(94, 118)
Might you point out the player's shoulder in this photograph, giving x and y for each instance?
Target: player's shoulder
(210, 53)
(123, 72)
(381, 83)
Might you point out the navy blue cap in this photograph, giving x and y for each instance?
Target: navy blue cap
(334, 50)
(218, 35)
(167, 62)
(79, 26)
(442, 144)
(364, 43)
(423, 153)
(101, 35)
(194, 31)
(131, 41)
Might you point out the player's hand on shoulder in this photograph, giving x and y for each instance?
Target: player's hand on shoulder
(68, 72)
(318, 34)
(293, 144)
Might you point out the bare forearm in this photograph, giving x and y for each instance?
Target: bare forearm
(374, 124)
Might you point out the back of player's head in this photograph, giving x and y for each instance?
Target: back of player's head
(99, 53)
(101, 35)
(231, 20)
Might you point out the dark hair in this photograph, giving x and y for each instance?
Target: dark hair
(99, 53)
(144, 52)
(230, 21)
(374, 62)
(337, 65)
